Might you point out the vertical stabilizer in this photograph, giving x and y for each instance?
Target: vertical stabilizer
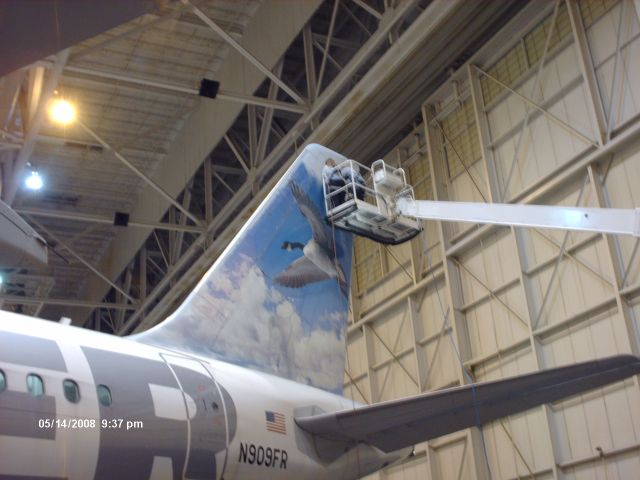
(276, 300)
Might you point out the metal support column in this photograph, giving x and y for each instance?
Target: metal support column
(615, 265)
(453, 294)
(583, 51)
(371, 374)
(482, 125)
(494, 193)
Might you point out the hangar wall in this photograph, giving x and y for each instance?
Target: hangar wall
(548, 112)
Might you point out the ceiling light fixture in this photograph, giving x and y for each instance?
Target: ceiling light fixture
(34, 181)
(62, 111)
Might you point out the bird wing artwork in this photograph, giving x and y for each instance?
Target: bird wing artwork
(319, 257)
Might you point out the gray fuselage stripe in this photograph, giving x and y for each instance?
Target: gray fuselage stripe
(31, 351)
(20, 413)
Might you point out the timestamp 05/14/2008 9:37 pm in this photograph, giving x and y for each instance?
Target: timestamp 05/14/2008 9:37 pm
(85, 423)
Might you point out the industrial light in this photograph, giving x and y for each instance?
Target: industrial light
(61, 111)
(1, 279)
(34, 181)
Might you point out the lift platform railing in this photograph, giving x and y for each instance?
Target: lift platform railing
(341, 198)
(365, 203)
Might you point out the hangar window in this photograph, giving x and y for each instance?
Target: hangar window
(3, 381)
(35, 386)
(71, 391)
(104, 395)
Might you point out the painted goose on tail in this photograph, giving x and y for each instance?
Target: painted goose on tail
(319, 260)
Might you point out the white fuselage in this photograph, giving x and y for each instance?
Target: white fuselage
(171, 415)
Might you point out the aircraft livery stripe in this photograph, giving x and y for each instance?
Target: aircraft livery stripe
(32, 351)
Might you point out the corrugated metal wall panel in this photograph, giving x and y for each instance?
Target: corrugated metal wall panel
(508, 301)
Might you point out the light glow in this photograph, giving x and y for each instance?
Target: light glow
(34, 181)
(63, 112)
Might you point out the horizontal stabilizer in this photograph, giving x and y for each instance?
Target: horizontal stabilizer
(400, 423)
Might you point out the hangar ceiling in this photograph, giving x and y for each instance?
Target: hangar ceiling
(348, 74)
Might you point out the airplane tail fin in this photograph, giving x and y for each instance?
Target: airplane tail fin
(276, 300)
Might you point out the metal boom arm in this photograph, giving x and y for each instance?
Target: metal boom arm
(605, 220)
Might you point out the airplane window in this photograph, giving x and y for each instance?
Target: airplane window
(71, 391)
(34, 385)
(3, 381)
(104, 395)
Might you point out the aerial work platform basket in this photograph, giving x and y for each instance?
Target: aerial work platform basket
(364, 202)
(378, 203)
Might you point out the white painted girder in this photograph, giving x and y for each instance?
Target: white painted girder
(203, 129)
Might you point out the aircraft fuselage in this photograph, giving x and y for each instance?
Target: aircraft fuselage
(79, 404)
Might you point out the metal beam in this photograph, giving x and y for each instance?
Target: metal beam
(548, 114)
(11, 188)
(126, 285)
(227, 170)
(368, 8)
(178, 236)
(80, 217)
(64, 302)
(138, 172)
(327, 46)
(356, 20)
(483, 130)
(261, 102)
(333, 61)
(221, 95)
(244, 52)
(63, 140)
(224, 184)
(142, 273)
(265, 128)
(79, 258)
(208, 191)
(453, 286)
(618, 71)
(236, 152)
(252, 127)
(309, 63)
(588, 71)
(337, 42)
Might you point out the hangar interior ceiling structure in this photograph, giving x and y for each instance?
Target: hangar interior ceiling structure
(505, 101)
(286, 72)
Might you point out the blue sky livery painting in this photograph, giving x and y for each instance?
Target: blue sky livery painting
(277, 299)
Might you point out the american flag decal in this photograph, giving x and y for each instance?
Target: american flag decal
(275, 422)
